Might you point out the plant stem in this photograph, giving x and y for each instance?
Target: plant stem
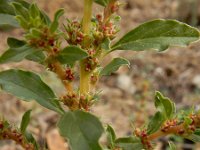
(107, 11)
(172, 130)
(84, 79)
(61, 74)
(87, 16)
(59, 70)
(85, 76)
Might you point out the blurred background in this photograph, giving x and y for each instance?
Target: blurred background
(128, 95)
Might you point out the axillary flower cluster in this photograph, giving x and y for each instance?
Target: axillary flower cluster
(183, 128)
(103, 28)
(7, 132)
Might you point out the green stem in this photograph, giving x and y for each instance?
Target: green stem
(84, 79)
(85, 76)
(87, 16)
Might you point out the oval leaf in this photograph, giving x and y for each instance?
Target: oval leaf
(28, 86)
(45, 18)
(14, 43)
(81, 129)
(71, 54)
(19, 50)
(25, 121)
(21, 10)
(17, 54)
(8, 20)
(129, 143)
(157, 34)
(37, 56)
(7, 14)
(5, 8)
(164, 105)
(31, 139)
(111, 136)
(24, 3)
(55, 23)
(106, 44)
(155, 123)
(34, 10)
(114, 66)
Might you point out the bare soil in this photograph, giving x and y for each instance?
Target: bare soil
(127, 96)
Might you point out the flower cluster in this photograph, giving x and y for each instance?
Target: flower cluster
(74, 34)
(102, 27)
(193, 124)
(44, 39)
(90, 63)
(142, 134)
(108, 29)
(9, 133)
(168, 125)
(74, 101)
(71, 100)
(69, 74)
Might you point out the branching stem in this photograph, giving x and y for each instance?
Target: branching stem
(172, 130)
(180, 129)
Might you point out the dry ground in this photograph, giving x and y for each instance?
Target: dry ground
(127, 95)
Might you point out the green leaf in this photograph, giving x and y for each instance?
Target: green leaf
(55, 23)
(194, 137)
(22, 22)
(71, 54)
(34, 11)
(25, 121)
(45, 18)
(187, 121)
(5, 8)
(157, 34)
(81, 129)
(14, 43)
(32, 140)
(164, 105)
(114, 66)
(172, 146)
(106, 44)
(19, 50)
(16, 54)
(111, 136)
(129, 143)
(35, 32)
(155, 123)
(37, 56)
(29, 86)
(21, 10)
(197, 131)
(7, 14)
(8, 20)
(102, 2)
(24, 3)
